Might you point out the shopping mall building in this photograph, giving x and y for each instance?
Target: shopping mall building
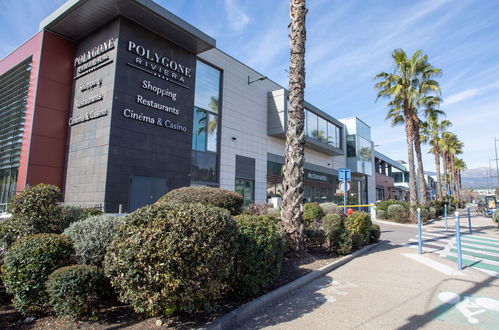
(119, 101)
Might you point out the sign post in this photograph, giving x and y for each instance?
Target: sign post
(420, 234)
(344, 175)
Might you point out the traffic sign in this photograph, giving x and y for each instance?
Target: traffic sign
(342, 187)
(344, 174)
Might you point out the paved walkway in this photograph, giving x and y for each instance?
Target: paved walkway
(393, 287)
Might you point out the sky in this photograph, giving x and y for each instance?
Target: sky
(348, 43)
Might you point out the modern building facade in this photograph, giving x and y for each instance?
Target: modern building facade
(392, 178)
(119, 101)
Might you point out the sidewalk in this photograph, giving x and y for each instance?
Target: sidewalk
(392, 287)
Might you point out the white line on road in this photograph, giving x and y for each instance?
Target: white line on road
(453, 254)
(433, 264)
(487, 253)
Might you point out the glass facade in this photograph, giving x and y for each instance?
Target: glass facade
(322, 130)
(205, 124)
(14, 85)
(318, 187)
(246, 189)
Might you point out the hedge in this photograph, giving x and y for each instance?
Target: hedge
(225, 199)
(172, 257)
(27, 265)
(76, 291)
(261, 246)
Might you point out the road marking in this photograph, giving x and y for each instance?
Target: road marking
(493, 255)
(433, 264)
(335, 288)
(467, 310)
(447, 249)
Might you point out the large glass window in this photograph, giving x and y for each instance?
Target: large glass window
(311, 124)
(321, 130)
(364, 156)
(351, 147)
(245, 189)
(206, 121)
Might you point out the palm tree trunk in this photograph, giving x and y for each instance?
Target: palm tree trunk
(446, 165)
(423, 199)
(437, 166)
(292, 204)
(410, 159)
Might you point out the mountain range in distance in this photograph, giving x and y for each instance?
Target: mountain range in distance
(477, 178)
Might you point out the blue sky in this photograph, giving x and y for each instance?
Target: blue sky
(348, 43)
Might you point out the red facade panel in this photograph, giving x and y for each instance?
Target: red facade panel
(50, 122)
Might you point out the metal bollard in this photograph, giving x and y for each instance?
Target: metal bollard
(458, 244)
(120, 209)
(420, 239)
(445, 212)
(469, 220)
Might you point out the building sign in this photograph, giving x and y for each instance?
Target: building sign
(94, 59)
(316, 176)
(159, 65)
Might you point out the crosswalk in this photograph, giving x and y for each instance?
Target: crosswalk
(478, 252)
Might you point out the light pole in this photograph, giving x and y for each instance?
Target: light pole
(497, 164)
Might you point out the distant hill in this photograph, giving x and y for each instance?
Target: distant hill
(476, 178)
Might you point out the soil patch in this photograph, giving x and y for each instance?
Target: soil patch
(118, 316)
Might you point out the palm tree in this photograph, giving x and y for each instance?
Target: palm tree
(450, 147)
(460, 166)
(431, 132)
(408, 87)
(292, 203)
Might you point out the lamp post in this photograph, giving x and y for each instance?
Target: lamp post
(497, 164)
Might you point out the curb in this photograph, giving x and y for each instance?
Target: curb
(235, 317)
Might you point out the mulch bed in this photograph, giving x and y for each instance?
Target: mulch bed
(117, 316)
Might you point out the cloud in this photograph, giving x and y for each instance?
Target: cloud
(238, 19)
(469, 93)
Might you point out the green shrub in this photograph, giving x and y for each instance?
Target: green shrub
(432, 212)
(259, 256)
(257, 209)
(495, 216)
(316, 237)
(172, 257)
(312, 212)
(329, 208)
(381, 214)
(338, 238)
(90, 212)
(27, 265)
(358, 224)
(71, 214)
(34, 210)
(386, 204)
(398, 213)
(76, 291)
(225, 199)
(274, 213)
(375, 233)
(91, 238)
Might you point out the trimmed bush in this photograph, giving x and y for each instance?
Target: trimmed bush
(259, 256)
(274, 213)
(225, 199)
(90, 212)
(76, 291)
(381, 214)
(172, 257)
(8, 234)
(257, 209)
(358, 224)
(398, 213)
(37, 207)
(375, 233)
(331, 208)
(312, 212)
(337, 237)
(495, 216)
(386, 204)
(432, 212)
(91, 238)
(27, 265)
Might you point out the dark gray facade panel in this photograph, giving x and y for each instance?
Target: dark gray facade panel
(143, 146)
(245, 167)
(311, 167)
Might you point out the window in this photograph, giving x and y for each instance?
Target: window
(322, 130)
(245, 189)
(351, 147)
(205, 123)
(311, 123)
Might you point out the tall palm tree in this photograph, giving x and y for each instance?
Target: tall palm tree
(431, 132)
(460, 166)
(410, 83)
(292, 203)
(450, 146)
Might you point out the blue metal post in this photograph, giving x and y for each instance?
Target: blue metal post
(469, 220)
(445, 212)
(458, 244)
(420, 239)
(345, 197)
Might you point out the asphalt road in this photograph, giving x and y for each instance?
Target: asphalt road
(393, 287)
